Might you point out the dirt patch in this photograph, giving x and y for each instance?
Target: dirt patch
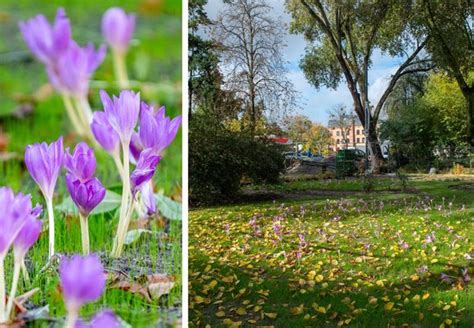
(265, 195)
(463, 187)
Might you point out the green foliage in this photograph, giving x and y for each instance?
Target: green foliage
(219, 159)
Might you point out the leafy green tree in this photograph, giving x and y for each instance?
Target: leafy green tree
(296, 126)
(449, 23)
(318, 139)
(342, 37)
(204, 76)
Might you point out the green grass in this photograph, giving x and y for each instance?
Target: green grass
(154, 65)
(353, 272)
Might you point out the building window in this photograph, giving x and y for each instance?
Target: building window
(363, 139)
(358, 132)
(337, 141)
(358, 139)
(337, 133)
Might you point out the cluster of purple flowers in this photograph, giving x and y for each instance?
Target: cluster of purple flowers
(70, 66)
(130, 130)
(115, 130)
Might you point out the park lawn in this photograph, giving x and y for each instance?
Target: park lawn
(31, 112)
(368, 261)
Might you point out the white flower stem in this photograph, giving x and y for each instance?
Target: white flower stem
(84, 233)
(16, 277)
(2, 291)
(24, 271)
(85, 114)
(71, 111)
(49, 204)
(72, 315)
(120, 70)
(122, 225)
(118, 163)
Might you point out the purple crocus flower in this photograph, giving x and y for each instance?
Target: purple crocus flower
(144, 170)
(27, 236)
(156, 131)
(122, 112)
(117, 28)
(47, 42)
(82, 280)
(71, 72)
(104, 133)
(16, 210)
(85, 194)
(81, 163)
(44, 163)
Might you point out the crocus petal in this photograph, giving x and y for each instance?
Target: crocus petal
(104, 133)
(82, 162)
(105, 319)
(144, 170)
(44, 164)
(86, 195)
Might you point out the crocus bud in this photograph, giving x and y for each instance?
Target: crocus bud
(86, 195)
(81, 163)
(15, 211)
(104, 133)
(122, 113)
(71, 73)
(117, 28)
(82, 280)
(44, 163)
(47, 42)
(144, 170)
(27, 237)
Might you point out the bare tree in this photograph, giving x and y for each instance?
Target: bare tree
(251, 42)
(343, 120)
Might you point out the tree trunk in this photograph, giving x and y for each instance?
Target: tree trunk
(375, 150)
(470, 116)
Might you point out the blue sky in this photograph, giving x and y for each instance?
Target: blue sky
(316, 103)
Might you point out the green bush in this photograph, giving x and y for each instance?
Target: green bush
(220, 159)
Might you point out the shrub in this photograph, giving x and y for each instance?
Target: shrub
(219, 159)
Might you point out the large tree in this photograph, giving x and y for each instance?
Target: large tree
(250, 41)
(342, 37)
(449, 23)
(204, 75)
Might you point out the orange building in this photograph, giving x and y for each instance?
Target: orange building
(346, 135)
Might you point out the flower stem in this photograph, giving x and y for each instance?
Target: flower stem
(72, 315)
(120, 70)
(49, 204)
(84, 233)
(85, 114)
(24, 271)
(118, 163)
(122, 225)
(71, 111)
(11, 296)
(2, 291)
